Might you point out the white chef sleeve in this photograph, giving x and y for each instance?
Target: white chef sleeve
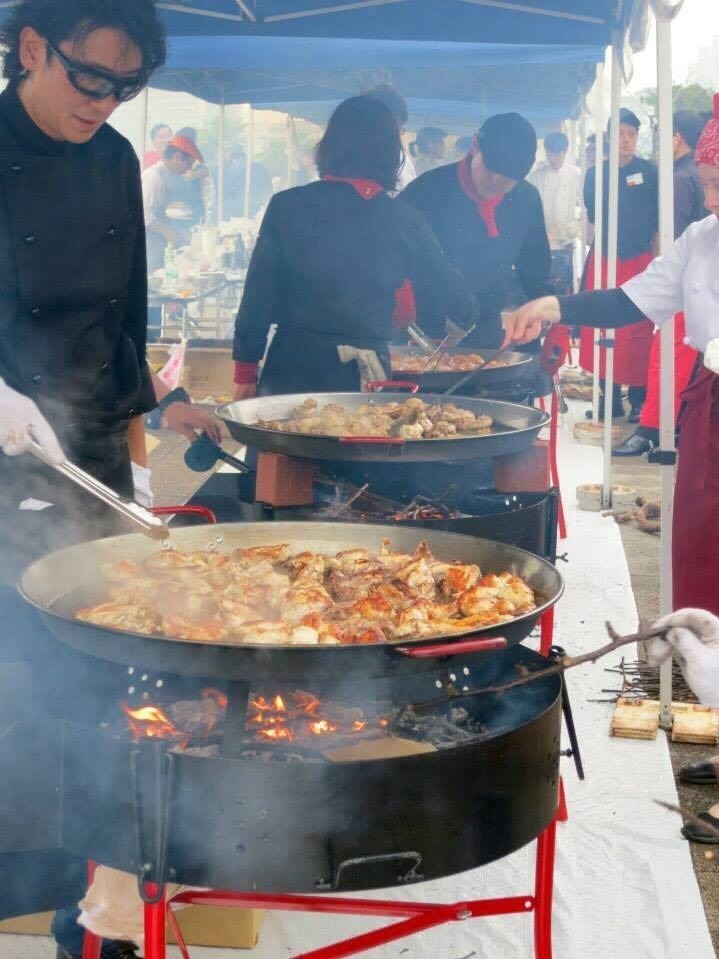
(658, 291)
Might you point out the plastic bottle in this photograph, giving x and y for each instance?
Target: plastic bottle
(171, 275)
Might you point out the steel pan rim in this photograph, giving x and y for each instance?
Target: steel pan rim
(299, 650)
(517, 366)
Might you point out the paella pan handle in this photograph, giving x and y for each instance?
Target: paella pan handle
(203, 511)
(472, 645)
(376, 386)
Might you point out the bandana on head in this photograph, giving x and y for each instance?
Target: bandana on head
(707, 149)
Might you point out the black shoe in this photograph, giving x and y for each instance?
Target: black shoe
(634, 415)
(111, 949)
(706, 831)
(701, 773)
(634, 445)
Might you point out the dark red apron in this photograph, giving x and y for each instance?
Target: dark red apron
(632, 343)
(696, 496)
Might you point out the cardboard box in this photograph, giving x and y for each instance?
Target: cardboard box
(208, 371)
(200, 925)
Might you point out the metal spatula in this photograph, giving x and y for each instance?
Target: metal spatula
(142, 518)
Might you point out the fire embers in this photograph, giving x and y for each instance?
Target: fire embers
(182, 723)
(301, 717)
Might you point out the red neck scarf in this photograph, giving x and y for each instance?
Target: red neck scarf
(485, 208)
(367, 189)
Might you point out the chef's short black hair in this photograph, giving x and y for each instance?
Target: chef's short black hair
(556, 142)
(394, 101)
(59, 20)
(689, 126)
(361, 141)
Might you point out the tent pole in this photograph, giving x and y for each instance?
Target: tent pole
(666, 390)
(583, 168)
(221, 167)
(612, 244)
(290, 148)
(598, 221)
(250, 160)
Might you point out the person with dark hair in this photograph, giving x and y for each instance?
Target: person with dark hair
(462, 146)
(194, 188)
(390, 96)
(489, 222)
(328, 260)
(560, 187)
(160, 136)
(688, 208)
(638, 225)
(73, 371)
(427, 150)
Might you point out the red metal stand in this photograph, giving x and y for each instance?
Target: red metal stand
(546, 631)
(413, 917)
(553, 463)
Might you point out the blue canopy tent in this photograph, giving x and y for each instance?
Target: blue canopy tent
(443, 80)
(489, 21)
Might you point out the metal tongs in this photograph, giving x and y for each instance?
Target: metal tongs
(455, 335)
(142, 518)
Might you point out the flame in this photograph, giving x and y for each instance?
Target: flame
(151, 722)
(295, 716)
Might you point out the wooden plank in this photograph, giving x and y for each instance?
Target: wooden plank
(692, 723)
(635, 719)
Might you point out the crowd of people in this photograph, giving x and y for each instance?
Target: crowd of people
(340, 266)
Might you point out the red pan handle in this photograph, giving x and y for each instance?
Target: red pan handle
(374, 386)
(472, 645)
(204, 511)
(374, 440)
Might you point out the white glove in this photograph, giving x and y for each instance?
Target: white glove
(20, 421)
(141, 477)
(693, 637)
(711, 355)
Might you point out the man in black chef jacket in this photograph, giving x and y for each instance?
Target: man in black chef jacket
(489, 221)
(72, 334)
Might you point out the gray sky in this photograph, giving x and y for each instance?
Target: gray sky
(694, 26)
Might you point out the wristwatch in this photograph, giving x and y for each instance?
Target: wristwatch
(177, 395)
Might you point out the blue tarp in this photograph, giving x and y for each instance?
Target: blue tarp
(443, 81)
(487, 21)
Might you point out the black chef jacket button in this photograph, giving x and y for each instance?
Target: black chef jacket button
(35, 312)
(37, 378)
(104, 367)
(112, 303)
(112, 231)
(16, 167)
(30, 239)
(131, 412)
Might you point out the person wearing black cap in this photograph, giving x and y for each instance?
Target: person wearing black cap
(489, 222)
(638, 225)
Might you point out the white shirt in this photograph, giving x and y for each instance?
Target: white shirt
(155, 191)
(686, 278)
(406, 174)
(561, 193)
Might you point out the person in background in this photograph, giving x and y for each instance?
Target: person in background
(688, 208)
(462, 146)
(328, 260)
(157, 193)
(197, 188)
(489, 222)
(427, 150)
(560, 187)
(390, 97)
(234, 192)
(637, 231)
(159, 137)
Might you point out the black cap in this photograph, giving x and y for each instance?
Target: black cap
(508, 144)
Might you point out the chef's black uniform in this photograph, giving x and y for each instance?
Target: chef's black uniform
(325, 269)
(491, 265)
(72, 337)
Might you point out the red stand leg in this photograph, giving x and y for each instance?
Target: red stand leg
(543, 891)
(546, 631)
(553, 465)
(155, 931)
(177, 932)
(92, 944)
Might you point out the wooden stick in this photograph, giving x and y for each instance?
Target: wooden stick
(566, 662)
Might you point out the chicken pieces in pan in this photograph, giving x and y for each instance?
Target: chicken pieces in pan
(414, 419)
(267, 596)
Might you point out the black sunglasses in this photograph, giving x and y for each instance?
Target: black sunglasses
(99, 84)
